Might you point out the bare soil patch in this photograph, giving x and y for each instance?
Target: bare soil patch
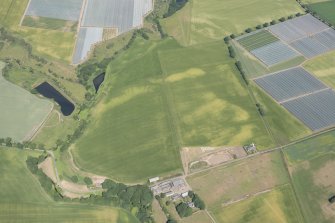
(73, 187)
(48, 168)
(325, 175)
(196, 158)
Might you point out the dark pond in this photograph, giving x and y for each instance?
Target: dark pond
(98, 81)
(49, 91)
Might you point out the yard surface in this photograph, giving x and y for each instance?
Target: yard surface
(21, 112)
(235, 181)
(203, 21)
(24, 200)
(277, 206)
(311, 165)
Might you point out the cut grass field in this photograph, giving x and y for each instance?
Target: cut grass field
(49, 23)
(24, 200)
(235, 181)
(277, 206)
(203, 21)
(51, 43)
(161, 100)
(198, 217)
(323, 68)
(21, 112)
(325, 9)
(312, 163)
(211, 103)
(257, 40)
(132, 136)
(284, 126)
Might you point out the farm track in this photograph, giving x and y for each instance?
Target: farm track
(265, 151)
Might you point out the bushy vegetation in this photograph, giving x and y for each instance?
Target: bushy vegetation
(174, 6)
(46, 183)
(184, 210)
(138, 197)
(198, 202)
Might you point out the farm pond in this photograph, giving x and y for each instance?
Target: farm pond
(49, 91)
(98, 80)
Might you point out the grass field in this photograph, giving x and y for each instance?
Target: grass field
(311, 148)
(163, 100)
(323, 68)
(284, 126)
(257, 40)
(21, 112)
(311, 165)
(132, 136)
(49, 23)
(203, 21)
(234, 181)
(325, 9)
(24, 200)
(276, 206)
(210, 101)
(52, 43)
(198, 217)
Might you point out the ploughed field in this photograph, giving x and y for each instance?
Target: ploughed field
(161, 99)
(24, 200)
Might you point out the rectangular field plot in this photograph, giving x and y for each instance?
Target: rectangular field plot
(257, 40)
(86, 38)
(57, 9)
(327, 38)
(124, 14)
(309, 47)
(297, 28)
(317, 111)
(274, 53)
(317, 44)
(290, 83)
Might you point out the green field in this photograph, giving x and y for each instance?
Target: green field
(284, 126)
(209, 99)
(202, 21)
(24, 200)
(51, 43)
(21, 112)
(325, 9)
(276, 206)
(257, 40)
(162, 99)
(323, 68)
(234, 181)
(132, 136)
(312, 163)
(49, 23)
